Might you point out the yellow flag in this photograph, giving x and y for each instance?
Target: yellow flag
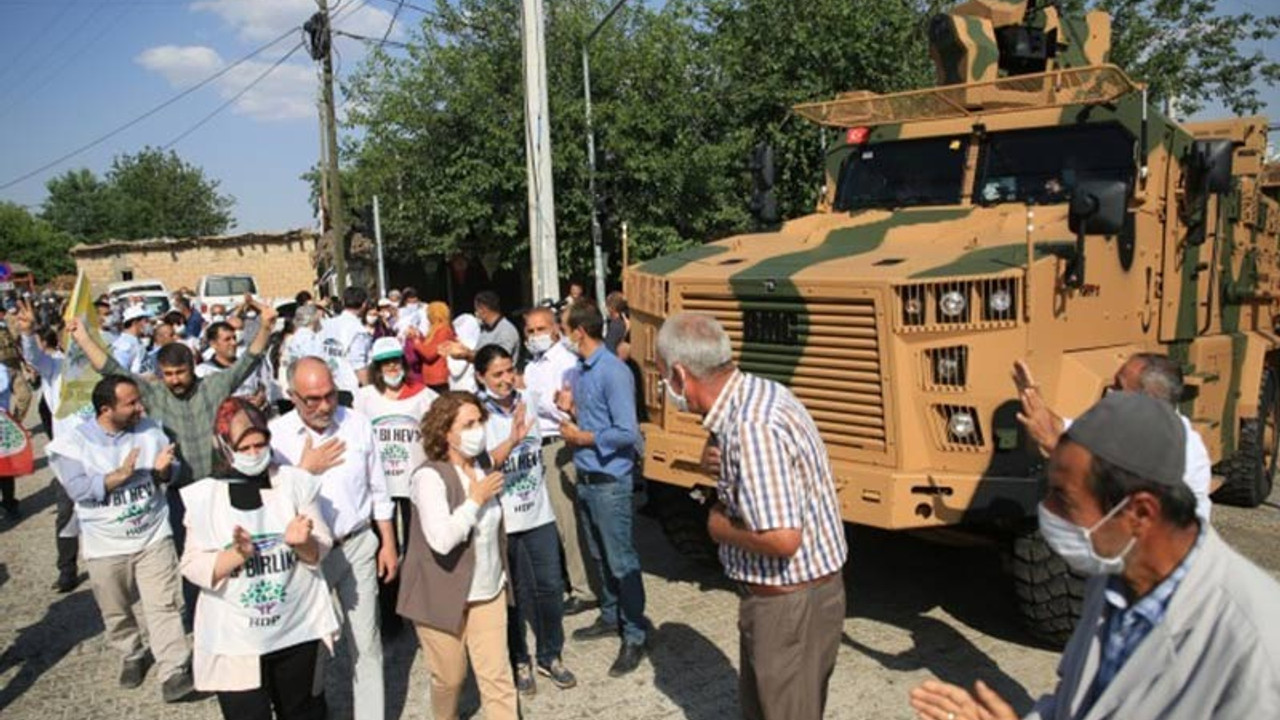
(75, 387)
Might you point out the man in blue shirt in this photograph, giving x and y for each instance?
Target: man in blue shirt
(605, 435)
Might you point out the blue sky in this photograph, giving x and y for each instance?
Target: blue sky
(71, 70)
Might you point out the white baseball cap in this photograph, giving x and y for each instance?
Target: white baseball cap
(386, 348)
(133, 312)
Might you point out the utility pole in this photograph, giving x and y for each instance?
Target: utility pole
(597, 240)
(537, 136)
(320, 35)
(377, 235)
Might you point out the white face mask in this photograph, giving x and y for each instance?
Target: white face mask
(539, 344)
(471, 442)
(571, 345)
(218, 318)
(370, 319)
(251, 464)
(680, 400)
(393, 381)
(1074, 544)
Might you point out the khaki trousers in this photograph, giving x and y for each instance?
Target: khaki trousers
(484, 639)
(562, 487)
(22, 396)
(788, 651)
(152, 575)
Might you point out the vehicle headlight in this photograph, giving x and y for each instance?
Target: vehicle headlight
(952, 303)
(913, 306)
(961, 425)
(948, 369)
(999, 302)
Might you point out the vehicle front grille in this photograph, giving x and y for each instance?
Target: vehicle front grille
(826, 350)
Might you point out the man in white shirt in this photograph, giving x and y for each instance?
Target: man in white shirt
(337, 445)
(110, 466)
(550, 368)
(128, 348)
(222, 340)
(462, 375)
(1148, 373)
(346, 343)
(412, 314)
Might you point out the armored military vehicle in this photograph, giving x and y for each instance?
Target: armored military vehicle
(1033, 205)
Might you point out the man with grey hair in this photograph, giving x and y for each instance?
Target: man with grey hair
(777, 520)
(1150, 374)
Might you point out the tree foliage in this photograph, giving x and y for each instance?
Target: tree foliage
(1192, 53)
(30, 240)
(680, 94)
(148, 194)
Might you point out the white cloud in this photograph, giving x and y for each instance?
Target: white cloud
(259, 20)
(181, 66)
(288, 93)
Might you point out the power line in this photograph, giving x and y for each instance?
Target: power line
(31, 42)
(392, 24)
(371, 40)
(107, 136)
(233, 98)
(425, 11)
(80, 50)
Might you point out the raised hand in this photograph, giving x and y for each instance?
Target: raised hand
(521, 424)
(164, 459)
(25, 317)
(564, 399)
(711, 458)
(318, 460)
(298, 531)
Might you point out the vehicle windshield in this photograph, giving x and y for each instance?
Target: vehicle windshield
(898, 173)
(220, 286)
(1042, 166)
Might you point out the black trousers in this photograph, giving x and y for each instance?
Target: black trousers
(67, 547)
(8, 492)
(389, 592)
(285, 693)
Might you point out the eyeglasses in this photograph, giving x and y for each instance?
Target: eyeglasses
(313, 401)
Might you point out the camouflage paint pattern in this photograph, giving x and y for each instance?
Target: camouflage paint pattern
(845, 307)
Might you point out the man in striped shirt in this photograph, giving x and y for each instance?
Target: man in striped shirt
(777, 520)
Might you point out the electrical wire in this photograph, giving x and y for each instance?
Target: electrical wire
(119, 129)
(231, 100)
(81, 49)
(392, 24)
(371, 40)
(37, 37)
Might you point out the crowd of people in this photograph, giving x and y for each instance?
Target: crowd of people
(271, 487)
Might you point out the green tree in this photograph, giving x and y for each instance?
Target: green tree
(32, 241)
(144, 195)
(1192, 53)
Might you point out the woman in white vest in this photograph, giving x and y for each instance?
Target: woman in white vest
(395, 406)
(514, 443)
(255, 539)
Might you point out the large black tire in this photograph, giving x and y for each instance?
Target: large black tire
(683, 520)
(1251, 471)
(1050, 594)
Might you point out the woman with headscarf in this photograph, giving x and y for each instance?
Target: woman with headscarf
(255, 539)
(453, 583)
(435, 366)
(395, 407)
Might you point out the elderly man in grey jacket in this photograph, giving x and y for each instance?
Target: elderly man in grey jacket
(1176, 624)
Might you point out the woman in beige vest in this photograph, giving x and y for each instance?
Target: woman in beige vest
(454, 576)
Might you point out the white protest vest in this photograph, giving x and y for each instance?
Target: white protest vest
(396, 433)
(336, 338)
(525, 502)
(274, 600)
(135, 514)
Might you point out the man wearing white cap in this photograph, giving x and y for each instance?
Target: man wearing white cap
(128, 349)
(1176, 624)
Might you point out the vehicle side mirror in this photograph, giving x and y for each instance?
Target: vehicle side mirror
(764, 201)
(1212, 164)
(1097, 208)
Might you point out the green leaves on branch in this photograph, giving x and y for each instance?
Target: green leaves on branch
(30, 240)
(146, 195)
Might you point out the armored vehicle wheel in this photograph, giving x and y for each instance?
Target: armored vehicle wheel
(1050, 595)
(1251, 471)
(683, 520)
